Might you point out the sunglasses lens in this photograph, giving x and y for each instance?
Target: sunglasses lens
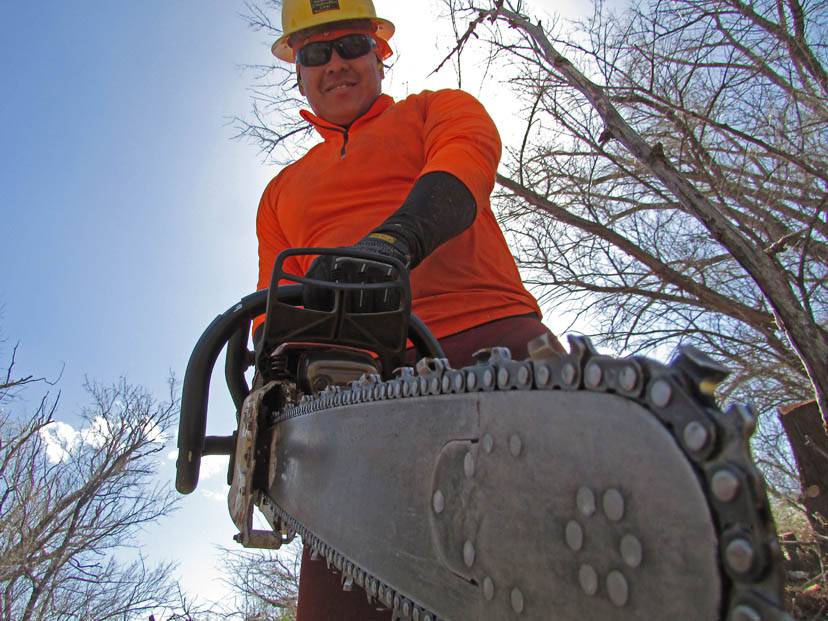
(314, 54)
(354, 46)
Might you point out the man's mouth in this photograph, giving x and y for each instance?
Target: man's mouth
(340, 86)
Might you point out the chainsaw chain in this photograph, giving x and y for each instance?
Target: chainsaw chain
(716, 443)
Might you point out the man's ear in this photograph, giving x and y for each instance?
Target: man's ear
(299, 81)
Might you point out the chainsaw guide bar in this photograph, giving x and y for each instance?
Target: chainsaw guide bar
(564, 487)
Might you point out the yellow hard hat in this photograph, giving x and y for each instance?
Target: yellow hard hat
(298, 15)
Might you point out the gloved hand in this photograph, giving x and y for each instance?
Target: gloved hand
(351, 270)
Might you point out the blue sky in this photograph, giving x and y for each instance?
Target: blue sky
(127, 212)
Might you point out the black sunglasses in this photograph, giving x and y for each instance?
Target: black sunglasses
(348, 47)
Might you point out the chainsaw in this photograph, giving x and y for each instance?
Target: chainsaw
(566, 486)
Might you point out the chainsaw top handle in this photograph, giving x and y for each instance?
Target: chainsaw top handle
(382, 333)
(232, 328)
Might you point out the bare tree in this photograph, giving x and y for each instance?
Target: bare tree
(265, 583)
(71, 501)
(670, 183)
(273, 123)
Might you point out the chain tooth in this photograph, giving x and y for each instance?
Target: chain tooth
(581, 347)
(428, 366)
(703, 373)
(746, 417)
(481, 356)
(543, 347)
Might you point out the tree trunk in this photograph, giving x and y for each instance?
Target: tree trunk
(809, 442)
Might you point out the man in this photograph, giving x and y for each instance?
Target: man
(409, 180)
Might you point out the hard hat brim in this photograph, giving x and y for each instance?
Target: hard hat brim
(282, 50)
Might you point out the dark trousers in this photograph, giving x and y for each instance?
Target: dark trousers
(321, 597)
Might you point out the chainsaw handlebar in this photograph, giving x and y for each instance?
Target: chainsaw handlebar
(232, 328)
(192, 425)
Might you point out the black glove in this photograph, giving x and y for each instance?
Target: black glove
(332, 268)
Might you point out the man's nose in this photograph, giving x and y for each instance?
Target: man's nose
(336, 62)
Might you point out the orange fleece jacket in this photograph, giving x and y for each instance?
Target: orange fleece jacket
(347, 185)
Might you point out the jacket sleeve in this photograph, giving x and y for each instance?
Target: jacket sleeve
(461, 139)
(272, 239)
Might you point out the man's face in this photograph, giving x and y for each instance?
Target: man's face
(341, 90)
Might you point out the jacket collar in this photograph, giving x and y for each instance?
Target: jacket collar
(330, 131)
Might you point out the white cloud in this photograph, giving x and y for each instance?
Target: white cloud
(154, 432)
(212, 465)
(214, 496)
(60, 439)
(97, 433)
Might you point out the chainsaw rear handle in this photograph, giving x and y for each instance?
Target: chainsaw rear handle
(232, 328)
